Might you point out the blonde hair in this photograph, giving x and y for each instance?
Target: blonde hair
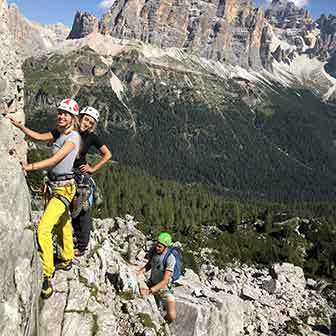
(74, 124)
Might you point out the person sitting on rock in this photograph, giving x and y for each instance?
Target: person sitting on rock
(65, 147)
(88, 120)
(160, 283)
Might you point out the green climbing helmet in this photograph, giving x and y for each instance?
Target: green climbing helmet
(165, 239)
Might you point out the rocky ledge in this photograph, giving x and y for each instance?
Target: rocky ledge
(99, 296)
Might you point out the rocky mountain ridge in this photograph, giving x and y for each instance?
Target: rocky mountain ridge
(295, 34)
(84, 24)
(285, 14)
(228, 31)
(33, 38)
(231, 32)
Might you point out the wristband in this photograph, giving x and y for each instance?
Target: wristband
(32, 166)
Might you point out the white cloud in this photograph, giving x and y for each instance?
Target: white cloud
(106, 4)
(298, 3)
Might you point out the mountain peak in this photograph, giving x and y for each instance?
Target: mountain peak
(83, 25)
(286, 14)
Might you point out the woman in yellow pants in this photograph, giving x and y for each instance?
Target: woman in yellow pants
(65, 147)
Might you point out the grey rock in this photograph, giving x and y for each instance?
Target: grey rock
(198, 292)
(230, 278)
(94, 307)
(250, 293)
(23, 280)
(83, 25)
(132, 250)
(285, 14)
(196, 318)
(107, 324)
(270, 286)
(51, 315)
(78, 297)
(75, 324)
(18, 282)
(88, 275)
(149, 307)
(311, 283)
(289, 274)
(265, 48)
(10, 317)
(32, 38)
(129, 218)
(277, 54)
(223, 31)
(333, 325)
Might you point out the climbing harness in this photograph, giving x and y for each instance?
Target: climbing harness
(52, 182)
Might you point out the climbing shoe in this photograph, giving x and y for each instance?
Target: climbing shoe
(47, 289)
(64, 265)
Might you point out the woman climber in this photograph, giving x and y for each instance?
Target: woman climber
(65, 147)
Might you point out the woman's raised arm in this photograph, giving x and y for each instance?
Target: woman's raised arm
(47, 136)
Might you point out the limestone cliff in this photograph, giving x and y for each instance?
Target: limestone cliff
(83, 25)
(17, 282)
(228, 31)
(285, 14)
(33, 38)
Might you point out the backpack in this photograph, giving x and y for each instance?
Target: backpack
(178, 265)
(85, 196)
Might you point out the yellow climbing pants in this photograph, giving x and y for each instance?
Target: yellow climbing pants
(56, 213)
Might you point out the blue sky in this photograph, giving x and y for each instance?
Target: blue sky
(47, 11)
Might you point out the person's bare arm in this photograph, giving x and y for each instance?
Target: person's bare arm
(29, 132)
(53, 160)
(105, 154)
(162, 284)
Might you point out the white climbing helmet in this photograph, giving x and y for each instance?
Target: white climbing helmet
(69, 105)
(92, 112)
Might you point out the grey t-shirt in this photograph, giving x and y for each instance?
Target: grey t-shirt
(158, 269)
(65, 166)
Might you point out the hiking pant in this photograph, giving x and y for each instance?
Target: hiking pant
(82, 227)
(56, 213)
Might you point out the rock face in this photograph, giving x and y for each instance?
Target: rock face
(83, 25)
(297, 34)
(18, 284)
(221, 30)
(285, 14)
(325, 45)
(33, 38)
(230, 31)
